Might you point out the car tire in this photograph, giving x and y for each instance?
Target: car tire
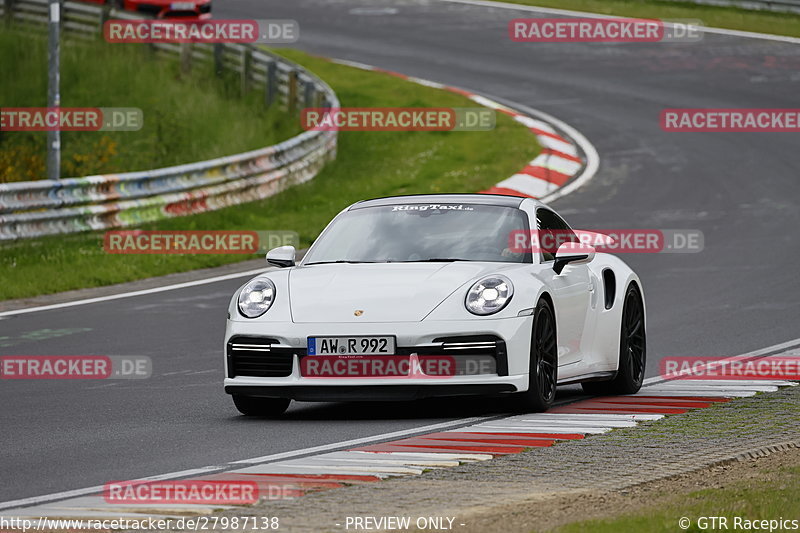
(632, 350)
(543, 370)
(264, 407)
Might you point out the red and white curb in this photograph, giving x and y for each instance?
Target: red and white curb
(413, 455)
(565, 156)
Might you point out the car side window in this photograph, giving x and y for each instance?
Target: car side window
(553, 232)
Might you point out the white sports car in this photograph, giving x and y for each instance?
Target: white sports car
(434, 295)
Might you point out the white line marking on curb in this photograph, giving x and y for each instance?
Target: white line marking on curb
(555, 144)
(142, 292)
(529, 185)
(426, 83)
(533, 123)
(557, 163)
(588, 14)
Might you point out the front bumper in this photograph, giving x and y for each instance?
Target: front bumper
(198, 11)
(291, 339)
(351, 393)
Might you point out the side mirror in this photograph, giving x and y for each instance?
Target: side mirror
(282, 256)
(572, 252)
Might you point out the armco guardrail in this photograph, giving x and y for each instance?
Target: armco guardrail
(47, 207)
(780, 6)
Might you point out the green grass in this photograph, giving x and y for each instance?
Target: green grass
(369, 164)
(751, 499)
(187, 117)
(720, 17)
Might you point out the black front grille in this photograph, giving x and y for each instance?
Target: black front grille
(179, 14)
(205, 8)
(150, 9)
(259, 357)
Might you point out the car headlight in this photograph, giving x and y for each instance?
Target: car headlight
(489, 295)
(256, 297)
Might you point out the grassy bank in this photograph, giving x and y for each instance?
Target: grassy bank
(720, 17)
(187, 117)
(369, 164)
(770, 495)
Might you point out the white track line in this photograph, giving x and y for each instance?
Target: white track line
(681, 393)
(712, 364)
(142, 292)
(598, 416)
(455, 455)
(587, 14)
(382, 458)
(549, 428)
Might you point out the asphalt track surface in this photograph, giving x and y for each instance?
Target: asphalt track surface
(739, 294)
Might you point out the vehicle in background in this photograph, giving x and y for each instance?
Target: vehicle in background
(162, 9)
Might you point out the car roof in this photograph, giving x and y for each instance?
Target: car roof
(481, 199)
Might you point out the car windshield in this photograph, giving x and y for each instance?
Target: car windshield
(421, 232)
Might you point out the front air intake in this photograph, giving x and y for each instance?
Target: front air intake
(258, 357)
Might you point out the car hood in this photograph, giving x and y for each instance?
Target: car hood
(383, 292)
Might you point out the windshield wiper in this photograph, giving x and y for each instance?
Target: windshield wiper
(337, 261)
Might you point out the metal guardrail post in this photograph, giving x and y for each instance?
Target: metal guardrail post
(308, 94)
(219, 65)
(291, 95)
(53, 87)
(105, 16)
(186, 57)
(247, 66)
(272, 82)
(8, 7)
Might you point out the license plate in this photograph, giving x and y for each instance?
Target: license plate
(182, 6)
(351, 345)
